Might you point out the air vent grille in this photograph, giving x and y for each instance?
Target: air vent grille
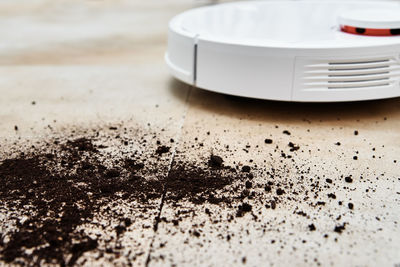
(352, 74)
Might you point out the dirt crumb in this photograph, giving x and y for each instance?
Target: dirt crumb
(348, 179)
(268, 141)
(246, 168)
(340, 228)
(215, 161)
(162, 150)
(242, 209)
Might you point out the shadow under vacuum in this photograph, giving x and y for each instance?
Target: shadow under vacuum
(280, 111)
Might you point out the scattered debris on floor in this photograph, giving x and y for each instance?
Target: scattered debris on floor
(57, 188)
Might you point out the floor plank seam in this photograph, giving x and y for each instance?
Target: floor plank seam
(178, 137)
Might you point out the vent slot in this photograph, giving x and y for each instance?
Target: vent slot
(366, 68)
(359, 86)
(360, 62)
(355, 74)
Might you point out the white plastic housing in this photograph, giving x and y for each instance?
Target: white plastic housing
(283, 50)
(372, 18)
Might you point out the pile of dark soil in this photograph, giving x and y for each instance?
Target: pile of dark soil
(51, 190)
(60, 191)
(62, 186)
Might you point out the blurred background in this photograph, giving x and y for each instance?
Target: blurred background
(91, 31)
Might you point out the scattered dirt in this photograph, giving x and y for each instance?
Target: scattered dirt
(243, 208)
(199, 184)
(57, 188)
(293, 147)
(332, 195)
(59, 191)
(64, 184)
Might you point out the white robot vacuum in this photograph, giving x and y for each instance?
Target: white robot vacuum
(308, 51)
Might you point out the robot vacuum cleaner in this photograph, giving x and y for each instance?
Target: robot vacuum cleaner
(307, 51)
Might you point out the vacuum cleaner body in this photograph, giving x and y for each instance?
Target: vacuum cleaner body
(289, 50)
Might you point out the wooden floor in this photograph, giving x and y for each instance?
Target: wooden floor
(88, 64)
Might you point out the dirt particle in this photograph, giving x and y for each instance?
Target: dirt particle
(249, 184)
(340, 228)
(311, 227)
(280, 191)
(246, 168)
(196, 233)
(162, 150)
(242, 209)
(348, 179)
(215, 161)
(293, 147)
(332, 195)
